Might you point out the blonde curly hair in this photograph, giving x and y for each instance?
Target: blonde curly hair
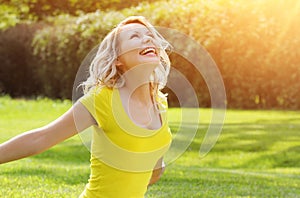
(104, 72)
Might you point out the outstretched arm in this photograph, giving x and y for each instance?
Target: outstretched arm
(157, 171)
(38, 140)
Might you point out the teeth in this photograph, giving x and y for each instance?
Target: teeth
(148, 50)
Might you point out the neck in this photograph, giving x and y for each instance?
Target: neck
(139, 94)
(137, 84)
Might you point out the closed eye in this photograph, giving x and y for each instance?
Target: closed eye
(134, 36)
(150, 35)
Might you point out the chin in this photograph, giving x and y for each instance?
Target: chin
(150, 64)
(149, 60)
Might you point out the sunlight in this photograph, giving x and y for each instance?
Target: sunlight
(287, 16)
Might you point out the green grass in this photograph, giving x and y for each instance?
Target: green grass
(257, 155)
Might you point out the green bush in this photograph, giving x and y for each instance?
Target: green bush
(18, 75)
(254, 43)
(14, 11)
(59, 49)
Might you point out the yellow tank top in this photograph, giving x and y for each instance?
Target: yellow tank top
(123, 154)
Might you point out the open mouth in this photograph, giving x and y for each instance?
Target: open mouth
(148, 51)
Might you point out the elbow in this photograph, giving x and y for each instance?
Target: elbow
(156, 175)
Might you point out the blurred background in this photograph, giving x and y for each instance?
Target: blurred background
(255, 45)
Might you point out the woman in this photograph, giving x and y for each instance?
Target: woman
(123, 104)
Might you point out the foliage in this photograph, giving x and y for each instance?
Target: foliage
(59, 49)
(39, 10)
(254, 43)
(9, 16)
(18, 75)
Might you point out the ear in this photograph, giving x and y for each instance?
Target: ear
(118, 63)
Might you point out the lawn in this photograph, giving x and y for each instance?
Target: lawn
(257, 155)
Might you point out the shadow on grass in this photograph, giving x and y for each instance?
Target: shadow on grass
(66, 163)
(273, 143)
(287, 158)
(192, 181)
(55, 174)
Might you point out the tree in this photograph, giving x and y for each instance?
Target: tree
(39, 9)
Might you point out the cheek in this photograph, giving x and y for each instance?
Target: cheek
(129, 58)
(129, 45)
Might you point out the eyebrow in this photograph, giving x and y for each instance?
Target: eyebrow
(137, 32)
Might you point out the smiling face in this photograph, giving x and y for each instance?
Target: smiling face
(137, 47)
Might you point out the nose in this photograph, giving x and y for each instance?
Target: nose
(147, 39)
